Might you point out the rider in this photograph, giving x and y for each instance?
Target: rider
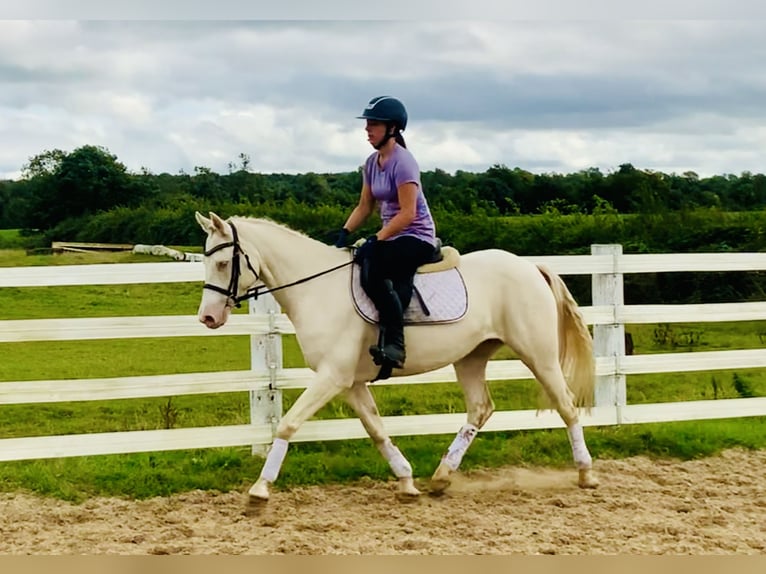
(407, 238)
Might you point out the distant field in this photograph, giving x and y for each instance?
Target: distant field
(9, 238)
(160, 473)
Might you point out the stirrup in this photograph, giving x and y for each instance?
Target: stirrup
(383, 373)
(379, 357)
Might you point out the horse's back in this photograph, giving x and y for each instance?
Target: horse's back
(498, 280)
(497, 264)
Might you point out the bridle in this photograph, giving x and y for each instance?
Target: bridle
(252, 292)
(231, 290)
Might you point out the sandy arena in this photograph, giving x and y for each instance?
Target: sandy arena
(710, 506)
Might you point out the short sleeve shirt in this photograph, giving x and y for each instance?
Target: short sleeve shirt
(400, 168)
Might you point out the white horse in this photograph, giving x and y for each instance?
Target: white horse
(512, 302)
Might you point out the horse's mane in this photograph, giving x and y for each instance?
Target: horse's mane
(270, 222)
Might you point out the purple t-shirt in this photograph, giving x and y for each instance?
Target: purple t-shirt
(400, 168)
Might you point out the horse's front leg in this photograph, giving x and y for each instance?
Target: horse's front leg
(361, 400)
(316, 395)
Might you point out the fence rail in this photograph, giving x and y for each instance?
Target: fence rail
(179, 272)
(266, 379)
(25, 330)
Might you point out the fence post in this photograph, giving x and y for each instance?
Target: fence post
(609, 339)
(266, 356)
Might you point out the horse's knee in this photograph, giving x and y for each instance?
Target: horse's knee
(479, 414)
(568, 414)
(564, 405)
(286, 429)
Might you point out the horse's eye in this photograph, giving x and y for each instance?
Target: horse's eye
(221, 265)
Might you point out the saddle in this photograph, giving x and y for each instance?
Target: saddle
(439, 294)
(443, 257)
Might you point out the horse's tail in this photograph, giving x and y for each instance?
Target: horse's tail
(575, 342)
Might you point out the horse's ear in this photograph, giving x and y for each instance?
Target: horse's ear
(218, 224)
(204, 222)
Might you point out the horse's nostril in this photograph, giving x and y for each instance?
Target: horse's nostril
(208, 320)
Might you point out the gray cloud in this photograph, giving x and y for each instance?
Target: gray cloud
(405, 9)
(553, 96)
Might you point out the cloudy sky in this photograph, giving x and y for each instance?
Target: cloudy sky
(543, 95)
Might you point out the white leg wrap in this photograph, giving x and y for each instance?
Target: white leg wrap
(274, 460)
(459, 446)
(396, 460)
(579, 450)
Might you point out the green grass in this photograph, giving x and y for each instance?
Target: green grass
(11, 239)
(149, 474)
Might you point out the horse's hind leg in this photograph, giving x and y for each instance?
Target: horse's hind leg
(471, 373)
(549, 375)
(361, 400)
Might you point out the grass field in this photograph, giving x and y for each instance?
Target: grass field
(13, 239)
(150, 474)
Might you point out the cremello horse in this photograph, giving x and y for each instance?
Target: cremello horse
(511, 301)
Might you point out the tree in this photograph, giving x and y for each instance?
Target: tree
(206, 184)
(91, 180)
(311, 189)
(85, 181)
(43, 164)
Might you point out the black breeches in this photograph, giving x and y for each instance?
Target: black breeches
(398, 261)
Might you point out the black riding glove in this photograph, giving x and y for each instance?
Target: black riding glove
(365, 248)
(342, 238)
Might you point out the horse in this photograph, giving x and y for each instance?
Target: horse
(512, 302)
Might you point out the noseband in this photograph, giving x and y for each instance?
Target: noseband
(252, 292)
(231, 290)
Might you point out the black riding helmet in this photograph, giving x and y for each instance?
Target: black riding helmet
(386, 109)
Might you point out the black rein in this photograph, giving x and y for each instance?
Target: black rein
(252, 292)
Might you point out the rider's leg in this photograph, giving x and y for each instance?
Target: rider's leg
(387, 278)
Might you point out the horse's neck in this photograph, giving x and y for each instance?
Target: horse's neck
(286, 256)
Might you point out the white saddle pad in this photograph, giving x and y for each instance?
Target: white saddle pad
(444, 294)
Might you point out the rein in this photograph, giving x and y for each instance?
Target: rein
(252, 292)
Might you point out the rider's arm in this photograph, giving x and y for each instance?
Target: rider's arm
(362, 211)
(408, 201)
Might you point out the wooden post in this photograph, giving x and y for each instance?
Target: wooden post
(609, 339)
(266, 356)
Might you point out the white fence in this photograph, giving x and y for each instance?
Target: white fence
(267, 378)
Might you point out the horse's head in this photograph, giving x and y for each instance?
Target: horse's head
(229, 274)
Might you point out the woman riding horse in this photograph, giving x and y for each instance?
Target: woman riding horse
(407, 239)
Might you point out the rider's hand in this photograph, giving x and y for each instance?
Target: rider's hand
(342, 238)
(365, 248)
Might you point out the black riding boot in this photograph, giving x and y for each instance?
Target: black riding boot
(390, 347)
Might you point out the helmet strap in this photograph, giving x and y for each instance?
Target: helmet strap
(390, 133)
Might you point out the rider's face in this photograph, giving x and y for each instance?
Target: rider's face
(376, 131)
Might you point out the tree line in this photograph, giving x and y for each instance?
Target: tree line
(56, 186)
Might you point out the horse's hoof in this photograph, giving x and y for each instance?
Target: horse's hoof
(257, 498)
(406, 491)
(259, 490)
(407, 497)
(439, 486)
(587, 479)
(440, 480)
